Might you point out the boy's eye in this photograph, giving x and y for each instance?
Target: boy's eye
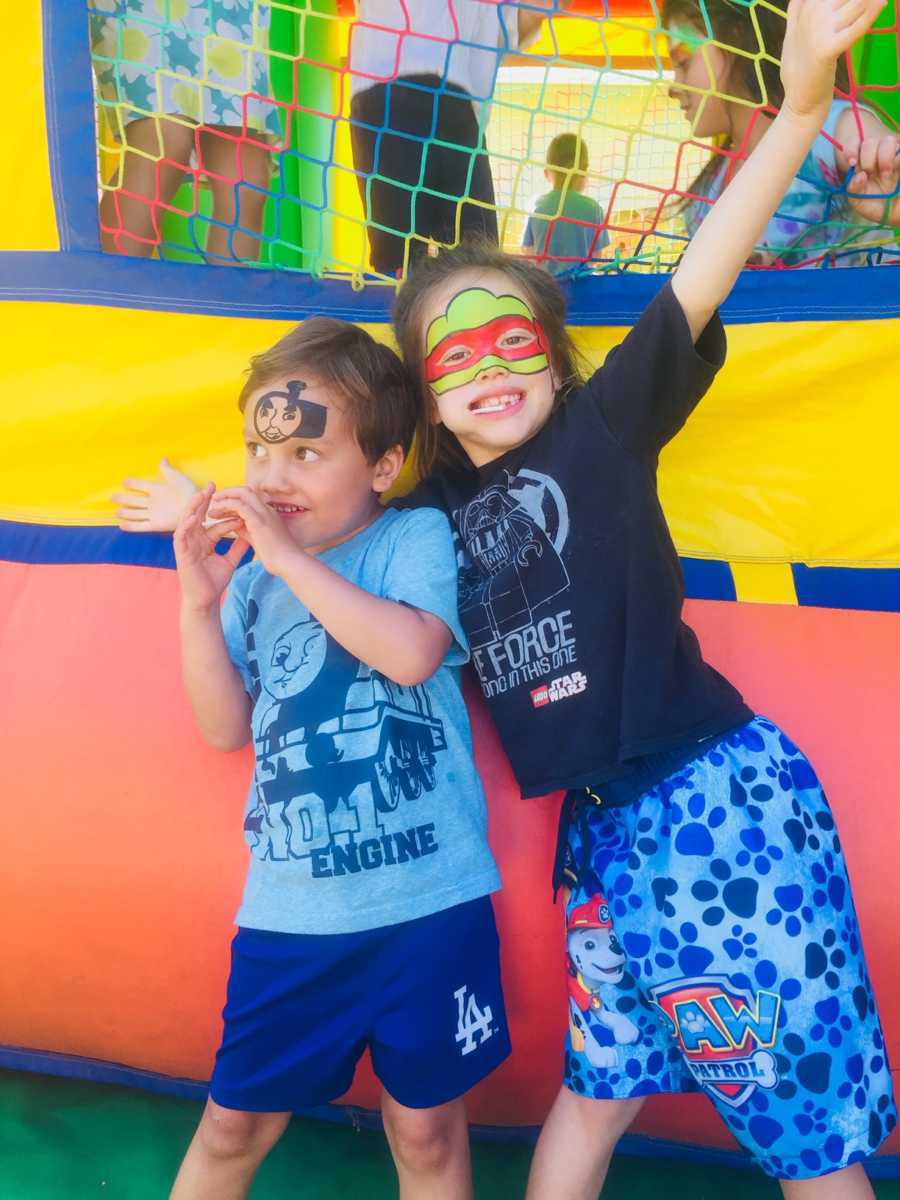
(455, 356)
(255, 450)
(307, 454)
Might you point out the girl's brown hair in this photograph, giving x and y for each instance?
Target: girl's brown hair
(437, 448)
(734, 27)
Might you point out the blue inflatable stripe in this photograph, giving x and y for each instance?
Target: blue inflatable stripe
(55, 545)
(109, 280)
(838, 587)
(705, 579)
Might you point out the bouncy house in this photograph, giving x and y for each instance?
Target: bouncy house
(140, 271)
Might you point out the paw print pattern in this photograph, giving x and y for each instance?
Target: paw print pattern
(732, 870)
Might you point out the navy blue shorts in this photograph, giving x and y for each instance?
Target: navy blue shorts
(424, 997)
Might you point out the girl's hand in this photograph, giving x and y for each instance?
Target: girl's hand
(152, 505)
(818, 33)
(203, 574)
(257, 524)
(873, 190)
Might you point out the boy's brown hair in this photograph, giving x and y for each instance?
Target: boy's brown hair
(377, 393)
(566, 156)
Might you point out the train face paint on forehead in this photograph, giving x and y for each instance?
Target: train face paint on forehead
(282, 415)
(476, 333)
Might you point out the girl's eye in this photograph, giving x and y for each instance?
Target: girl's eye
(254, 450)
(454, 357)
(515, 338)
(307, 454)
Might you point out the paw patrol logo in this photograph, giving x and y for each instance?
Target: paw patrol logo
(725, 1033)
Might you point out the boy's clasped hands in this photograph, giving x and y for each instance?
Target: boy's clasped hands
(236, 512)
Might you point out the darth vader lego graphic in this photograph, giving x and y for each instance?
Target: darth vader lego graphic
(513, 534)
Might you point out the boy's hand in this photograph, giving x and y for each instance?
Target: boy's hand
(818, 33)
(154, 505)
(203, 574)
(257, 524)
(873, 190)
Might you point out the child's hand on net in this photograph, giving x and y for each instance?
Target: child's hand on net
(818, 33)
(154, 505)
(873, 190)
(202, 573)
(259, 524)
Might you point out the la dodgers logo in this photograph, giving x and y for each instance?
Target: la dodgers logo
(725, 1033)
(472, 1020)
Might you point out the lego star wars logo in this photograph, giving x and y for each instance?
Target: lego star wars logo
(559, 689)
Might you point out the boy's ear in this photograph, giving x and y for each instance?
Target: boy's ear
(387, 469)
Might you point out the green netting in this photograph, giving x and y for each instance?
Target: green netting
(226, 131)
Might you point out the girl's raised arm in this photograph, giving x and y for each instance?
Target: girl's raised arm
(818, 32)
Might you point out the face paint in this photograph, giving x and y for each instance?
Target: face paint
(478, 331)
(282, 415)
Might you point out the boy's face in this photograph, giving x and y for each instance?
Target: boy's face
(486, 363)
(304, 461)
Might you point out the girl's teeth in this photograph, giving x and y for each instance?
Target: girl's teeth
(498, 403)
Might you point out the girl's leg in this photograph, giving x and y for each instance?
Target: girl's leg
(156, 155)
(850, 1184)
(227, 1149)
(576, 1145)
(430, 1148)
(238, 172)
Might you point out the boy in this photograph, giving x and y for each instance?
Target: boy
(564, 229)
(366, 919)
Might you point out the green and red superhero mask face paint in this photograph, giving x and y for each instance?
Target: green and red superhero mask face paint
(478, 331)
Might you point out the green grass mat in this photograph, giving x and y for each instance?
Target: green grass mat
(67, 1140)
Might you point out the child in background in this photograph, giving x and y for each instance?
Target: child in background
(366, 919)
(182, 80)
(711, 936)
(566, 228)
(848, 183)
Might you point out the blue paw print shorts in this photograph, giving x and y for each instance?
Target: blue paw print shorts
(712, 944)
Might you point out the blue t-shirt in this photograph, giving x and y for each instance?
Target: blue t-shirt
(572, 224)
(365, 808)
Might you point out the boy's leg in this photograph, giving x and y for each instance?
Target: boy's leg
(430, 1148)
(226, 1150)
(576, 1144)
(439, 1028)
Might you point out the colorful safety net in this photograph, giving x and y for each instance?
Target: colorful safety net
(348, 137)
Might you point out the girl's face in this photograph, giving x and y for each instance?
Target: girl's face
(487, 363)
(703, 77)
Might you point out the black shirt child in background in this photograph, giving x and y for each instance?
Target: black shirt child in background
(570, 587)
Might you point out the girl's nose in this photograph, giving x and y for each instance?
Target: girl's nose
(495, 371)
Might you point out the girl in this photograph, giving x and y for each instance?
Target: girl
(176, 73)
(718, 69)
(711, 934)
